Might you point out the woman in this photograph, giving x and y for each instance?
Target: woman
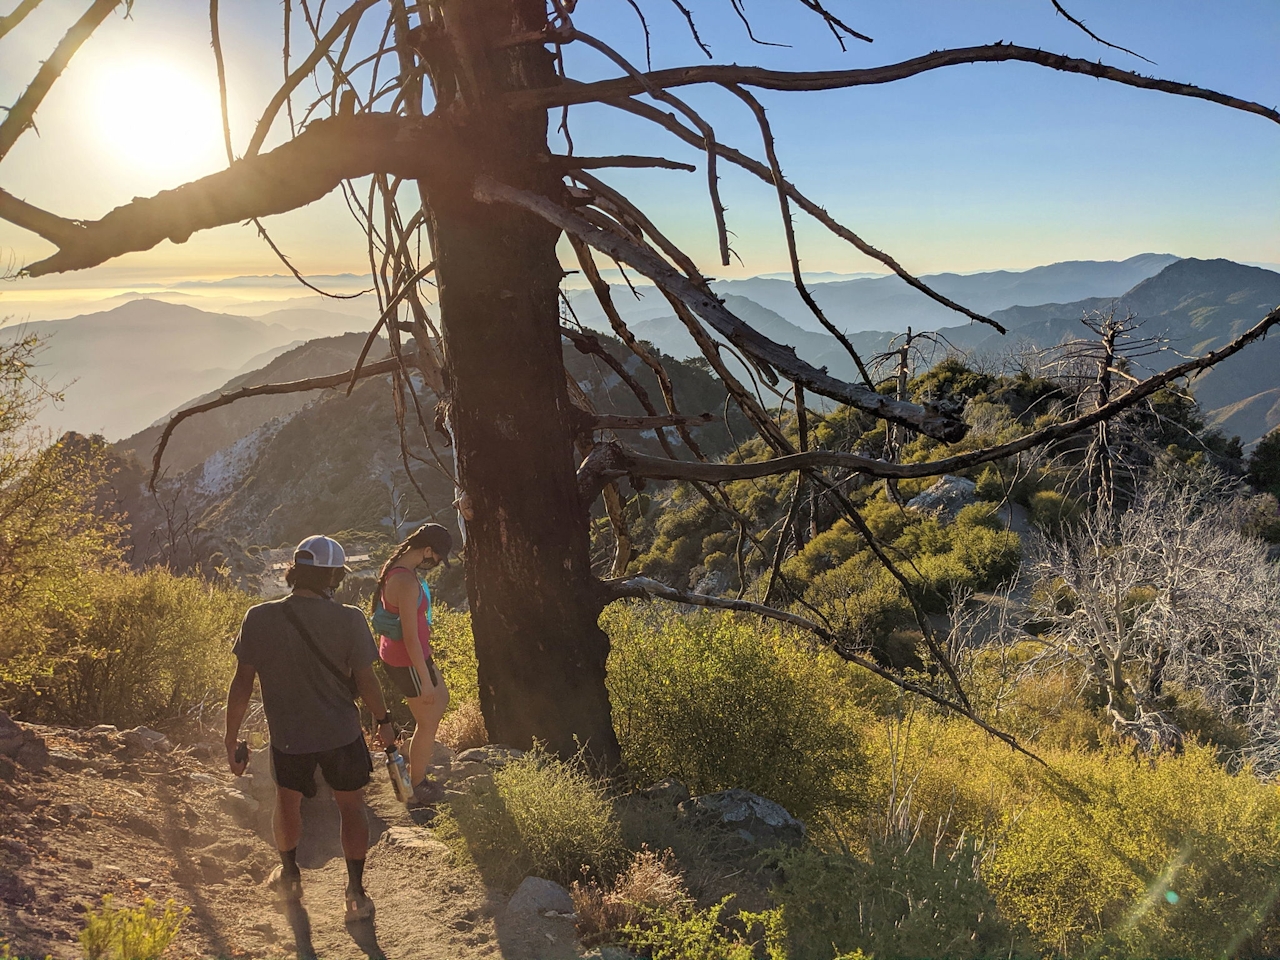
(407, 658)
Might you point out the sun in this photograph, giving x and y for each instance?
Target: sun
(158, 118)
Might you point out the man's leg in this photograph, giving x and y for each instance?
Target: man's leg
(287, 826)
(355, 845)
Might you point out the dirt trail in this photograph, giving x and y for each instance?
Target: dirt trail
(106, 816)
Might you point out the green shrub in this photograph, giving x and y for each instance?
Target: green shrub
(1052, 511)
(148, 647)
(908, 897)
(720, 701)
(454, 652)
(674, 934)
(539, 816)
(123, 933)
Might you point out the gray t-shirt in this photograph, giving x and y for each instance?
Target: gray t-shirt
(308, 709)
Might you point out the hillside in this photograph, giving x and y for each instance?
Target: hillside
(268, 471)
(1199, 305)
(200, 437)
(121, 369)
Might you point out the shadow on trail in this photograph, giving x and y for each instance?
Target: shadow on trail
(300, 924)
(365, 935)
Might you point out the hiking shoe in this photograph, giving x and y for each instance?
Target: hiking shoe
(288, 888)
(427, 793)
(359, 906)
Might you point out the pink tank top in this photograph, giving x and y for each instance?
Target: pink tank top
(393, 652)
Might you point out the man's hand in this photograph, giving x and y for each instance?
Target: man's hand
(385, 735)
(238, 757)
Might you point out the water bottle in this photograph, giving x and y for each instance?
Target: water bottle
(398, 771)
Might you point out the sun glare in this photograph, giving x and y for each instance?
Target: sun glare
(158, 118)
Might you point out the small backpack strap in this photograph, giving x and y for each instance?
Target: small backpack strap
(348, 680)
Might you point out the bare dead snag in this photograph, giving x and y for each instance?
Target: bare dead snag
(706, 305)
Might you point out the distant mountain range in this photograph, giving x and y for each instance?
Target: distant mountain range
(122, 368)
(889, 304)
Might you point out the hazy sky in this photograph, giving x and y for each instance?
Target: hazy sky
(968, 168)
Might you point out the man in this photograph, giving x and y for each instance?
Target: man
(309, 651)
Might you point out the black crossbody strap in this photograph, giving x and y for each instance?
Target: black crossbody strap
(347, 679)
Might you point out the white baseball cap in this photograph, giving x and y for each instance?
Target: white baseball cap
(320, 551)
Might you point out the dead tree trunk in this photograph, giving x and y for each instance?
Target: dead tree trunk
(541, 653)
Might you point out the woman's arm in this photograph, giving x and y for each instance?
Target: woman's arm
(404, 591)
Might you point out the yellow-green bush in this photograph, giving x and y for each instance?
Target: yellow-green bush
(1168, 857)
(538, 816)
(907, 897)
(130, 933)
(147, 648)
(719, 701)
(454, 652)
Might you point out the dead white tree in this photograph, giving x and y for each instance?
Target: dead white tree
(1170, 592)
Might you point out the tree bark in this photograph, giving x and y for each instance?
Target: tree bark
(534, 608)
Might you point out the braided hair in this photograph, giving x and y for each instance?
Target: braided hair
(428, 535)
(387, 567)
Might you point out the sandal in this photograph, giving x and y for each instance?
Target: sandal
(359, 906)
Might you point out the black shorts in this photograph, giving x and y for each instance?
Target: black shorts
(345, 768)
(407, 681)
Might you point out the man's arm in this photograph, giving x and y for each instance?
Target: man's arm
(371, 694)
(237, 705)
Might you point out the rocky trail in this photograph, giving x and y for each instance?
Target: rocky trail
(85, 813)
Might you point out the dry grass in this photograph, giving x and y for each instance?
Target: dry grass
(463, 728)
(650, 883)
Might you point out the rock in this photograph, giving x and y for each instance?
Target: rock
(108, 729)
(205, 779)
(609, 952)
(15, 848)
(84, 863)
(465, 770)
(494, 755)
(66, 812)
(141, 826)
(212, 869)
(146, 740)
(413, 838)
(535, 895)
(759, 822)
(238, 805)
(33, 754)
(946, 498)
(8, 769)
(143, 883)
(12, 736)
(669, 790)
(205, 751)
(65, 760)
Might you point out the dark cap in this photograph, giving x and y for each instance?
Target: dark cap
(434, 536)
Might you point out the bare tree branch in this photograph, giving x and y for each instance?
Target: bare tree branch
(780, 357)
(808, 206)
(592, 163)
(605, 90)
(655, 468)
(22, 114)
(610, 421)
(293, 175)
(11, 20)
(644, 588)
(346, 21)
(266, 389)
(1057, 6)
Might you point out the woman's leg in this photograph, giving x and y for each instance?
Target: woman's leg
(427, 710)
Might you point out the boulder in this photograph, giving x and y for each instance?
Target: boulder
(12, 736)
(33, 753)
(946, 498)
(413, 838)
(759, 822)
(495, 755)
(106, 729)
(65, 760)
(666, 790)
(535, 895)
(145, 740)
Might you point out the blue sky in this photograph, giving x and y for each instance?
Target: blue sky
(968, 168)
